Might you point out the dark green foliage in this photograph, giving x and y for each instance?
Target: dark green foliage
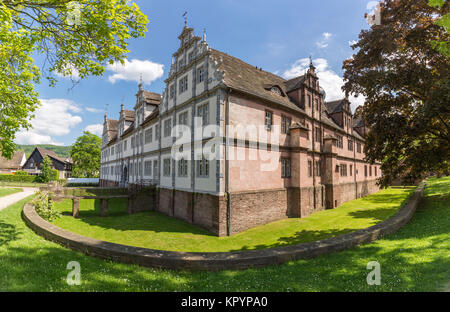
(61, 151)
(18, 178)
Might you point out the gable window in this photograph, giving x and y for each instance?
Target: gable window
(180, 64)
(183, 84)
(339, 142)
(318, 168)
(148, 168)
(309, 100)
(268, 120)
(183, 118)
(285, 168)
(203, 113)
(343, 170)
(317, 105)
(191, 57)
(167, 127)
(149, 136)
(203, 168)
(172, 91)
(166, 167)
(318, 135)
(182, 168)
(200, 74)
(350, 145)
(285, 124)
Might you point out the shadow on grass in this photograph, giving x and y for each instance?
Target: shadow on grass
(8, 233)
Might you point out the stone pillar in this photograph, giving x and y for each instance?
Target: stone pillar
(75, 207)
(104, 207)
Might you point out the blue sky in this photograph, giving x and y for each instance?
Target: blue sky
(278, 36)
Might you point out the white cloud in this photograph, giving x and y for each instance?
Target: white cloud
(95, 129)
(93, 110)
(53, 118)
(131, 71)
(323, 42)
(69, 72)
(329, 80)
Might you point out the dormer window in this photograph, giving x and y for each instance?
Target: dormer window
(276, 90)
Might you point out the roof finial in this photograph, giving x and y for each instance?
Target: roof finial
(310, 61)
(185, 18)
(204, 34)
(121, 105)
(106, 111)
(140, 82)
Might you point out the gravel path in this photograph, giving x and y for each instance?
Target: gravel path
(13, 198)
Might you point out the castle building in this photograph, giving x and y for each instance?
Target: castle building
(230, 146)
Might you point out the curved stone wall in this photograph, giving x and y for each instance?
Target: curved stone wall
(214, 261)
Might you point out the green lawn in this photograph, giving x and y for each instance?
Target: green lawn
(22, 184)
(416, 258)
(9, 191)
(158, 231)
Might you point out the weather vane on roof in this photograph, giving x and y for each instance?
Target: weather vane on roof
(185, 18)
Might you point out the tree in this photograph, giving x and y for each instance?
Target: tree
(77, 38)
(444, 21)
(86, 156)
(46, 171)
(406, 84)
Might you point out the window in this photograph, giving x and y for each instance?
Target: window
(191, 57)
(132, 142)
(149, 136)
(166, 167)
(182, 168)
(156, 132)
(285, 124)
(350, 145)
(370, 170)
(358, 147)
(285, 168)
(317, 105)
(276, 90)
(183, 118)
(180, 63)
(172, 91)
(183, 84)
(200, 74)
(376, 174)
(167, 127)
(203, 112)
(268, 121)
(343, 170)
(318, 168)
(309, 100)
(339, 142)
(125, 145)
(365, 170)
(351, 170)
(318, 135)
(309, 168)
(203, 168)
(141, 138)
(155, 169)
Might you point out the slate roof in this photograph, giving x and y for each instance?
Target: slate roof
(14, 163)
(151, 97)
(251, 80)
(335, 106)
(113, 125)
(128, 115)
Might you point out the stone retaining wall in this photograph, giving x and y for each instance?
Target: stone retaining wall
(214, 261)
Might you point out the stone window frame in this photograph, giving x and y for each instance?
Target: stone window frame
(183, 167)
(358, 147)
(318, 168)
(343, 170)
(200, 74)
(268, 119)
(167, 167)
(285, 167)
(310, 168)
(350, 144)
(285, 124)
(340, 141)
(203, 112)
(318, 135)
(308, 100)
(202, 168)
(149, 135)
(172, 91)
(168, 127)
(155, 168)
(183, 84)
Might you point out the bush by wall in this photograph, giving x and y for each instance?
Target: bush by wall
(17, 178)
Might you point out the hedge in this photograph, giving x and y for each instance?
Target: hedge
(17, 178)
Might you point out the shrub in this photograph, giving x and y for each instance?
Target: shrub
(54, 175)
(17, 178)
(43, 203)
(21, 173)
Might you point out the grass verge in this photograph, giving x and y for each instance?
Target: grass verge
(9, 191)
